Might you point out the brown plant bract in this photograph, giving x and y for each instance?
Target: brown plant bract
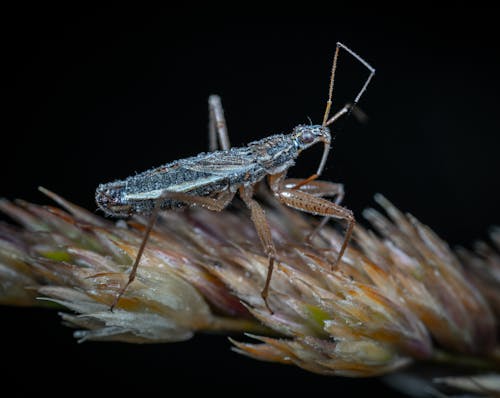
(396, 297)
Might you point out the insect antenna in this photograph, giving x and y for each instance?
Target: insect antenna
(349, 107)
(346, 109)
(330, 88)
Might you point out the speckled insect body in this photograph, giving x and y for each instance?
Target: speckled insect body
(207, 174)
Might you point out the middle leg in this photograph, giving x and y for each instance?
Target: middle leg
(262, 226)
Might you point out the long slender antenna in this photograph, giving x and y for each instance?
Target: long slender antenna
(332, 79)
(367, 66)
(347, 108)
(330, 88)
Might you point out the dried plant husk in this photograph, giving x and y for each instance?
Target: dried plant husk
(399, 295)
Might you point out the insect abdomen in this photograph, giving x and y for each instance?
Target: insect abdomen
(144, 189)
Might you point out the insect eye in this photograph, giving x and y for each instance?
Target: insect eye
(307, 137)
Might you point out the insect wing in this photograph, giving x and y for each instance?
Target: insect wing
(222, 163)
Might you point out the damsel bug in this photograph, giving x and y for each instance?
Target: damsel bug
(211, 180)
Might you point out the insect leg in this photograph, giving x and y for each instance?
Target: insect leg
(346, 109)
(262, 226)
(131, 276)
(214, 204)
(320, 189)
(317, 188)
(309, 203)
(217, 125)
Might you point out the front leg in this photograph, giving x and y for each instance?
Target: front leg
(320, 189)
(309, 203)
(317, 188)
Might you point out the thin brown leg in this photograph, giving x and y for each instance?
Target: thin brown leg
(320, 189)
(314, 205)
(262, 226)
(306, 181)
(314, 176)
(214, 204)
(317, 188)
(131, 276)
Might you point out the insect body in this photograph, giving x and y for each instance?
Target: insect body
(212, 179)
(207, 174)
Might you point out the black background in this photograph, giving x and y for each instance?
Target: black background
(96, 94)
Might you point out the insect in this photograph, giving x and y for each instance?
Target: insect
(212, 179)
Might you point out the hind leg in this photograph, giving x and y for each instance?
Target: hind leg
(217, 129)
(214, 204)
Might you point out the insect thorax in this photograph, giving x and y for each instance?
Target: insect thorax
(275, 153)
